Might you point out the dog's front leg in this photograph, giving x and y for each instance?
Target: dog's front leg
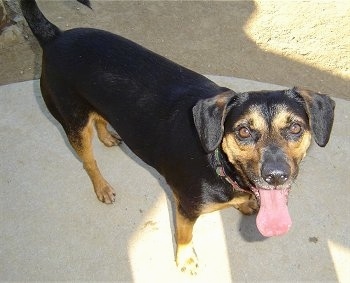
(186, 258)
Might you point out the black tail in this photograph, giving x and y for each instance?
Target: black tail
(43, 30)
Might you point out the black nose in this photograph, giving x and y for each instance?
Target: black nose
(275, 169)
(275, 177)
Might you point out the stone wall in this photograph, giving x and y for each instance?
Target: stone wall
(4, 20)
(11, 22)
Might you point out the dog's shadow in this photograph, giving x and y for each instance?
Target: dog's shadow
(247, 225)
(40, 101)
(248, 229)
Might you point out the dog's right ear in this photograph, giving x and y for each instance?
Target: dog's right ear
(209, 117)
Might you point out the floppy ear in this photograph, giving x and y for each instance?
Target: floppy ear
(320, 109)
(209, 117)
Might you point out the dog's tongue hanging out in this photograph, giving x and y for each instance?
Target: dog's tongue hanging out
(273, 218)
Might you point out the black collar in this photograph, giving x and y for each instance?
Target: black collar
(224, 171)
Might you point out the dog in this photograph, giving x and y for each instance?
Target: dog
(214, 147)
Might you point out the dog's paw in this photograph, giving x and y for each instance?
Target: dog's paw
(249, 207)
(186, 259)
(109, 139)
(105, 194)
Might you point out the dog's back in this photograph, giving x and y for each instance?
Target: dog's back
(97, 71)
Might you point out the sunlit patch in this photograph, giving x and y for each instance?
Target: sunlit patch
(154, 233)
(341, 260)
(147, 238)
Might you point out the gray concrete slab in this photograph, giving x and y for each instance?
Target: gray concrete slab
(53, 227)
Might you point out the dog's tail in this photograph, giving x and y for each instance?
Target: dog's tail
(41, 27)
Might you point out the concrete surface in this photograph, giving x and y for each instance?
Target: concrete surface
(54, 228)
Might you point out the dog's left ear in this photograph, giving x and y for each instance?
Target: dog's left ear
(320, 109)
(209, 117)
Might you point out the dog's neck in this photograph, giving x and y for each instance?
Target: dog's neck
(225, 170)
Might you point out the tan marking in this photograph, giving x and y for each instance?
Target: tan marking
(105, 136)
(257, 119)
(82, 143)
(184, 228)
(244, 202)
(283, 118)
(254, 120)
(280, 120)
(234, 148)
(239, 154)
(186, 258)
(223, 98)
(295, 150)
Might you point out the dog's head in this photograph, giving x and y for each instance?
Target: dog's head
(265, 135)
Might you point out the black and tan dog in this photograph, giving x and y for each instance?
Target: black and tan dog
(215, 147)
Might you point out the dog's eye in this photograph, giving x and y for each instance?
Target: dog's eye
(295, 129)
(244, 133)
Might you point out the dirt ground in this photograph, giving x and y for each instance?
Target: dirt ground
(281, 42)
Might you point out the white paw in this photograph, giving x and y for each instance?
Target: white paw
(186, 259)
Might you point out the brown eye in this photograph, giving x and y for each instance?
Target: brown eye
(244, 133)
(295, 129)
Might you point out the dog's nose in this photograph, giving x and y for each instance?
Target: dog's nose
(275, 170)
(275, 177)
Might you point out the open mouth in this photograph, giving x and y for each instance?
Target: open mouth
(273, 218)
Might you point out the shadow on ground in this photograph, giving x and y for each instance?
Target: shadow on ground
(207, 37)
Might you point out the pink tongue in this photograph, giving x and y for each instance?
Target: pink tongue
(273, 218)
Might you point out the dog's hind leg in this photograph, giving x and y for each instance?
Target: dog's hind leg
(81, 141)
(77, 118)
(107, 137)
